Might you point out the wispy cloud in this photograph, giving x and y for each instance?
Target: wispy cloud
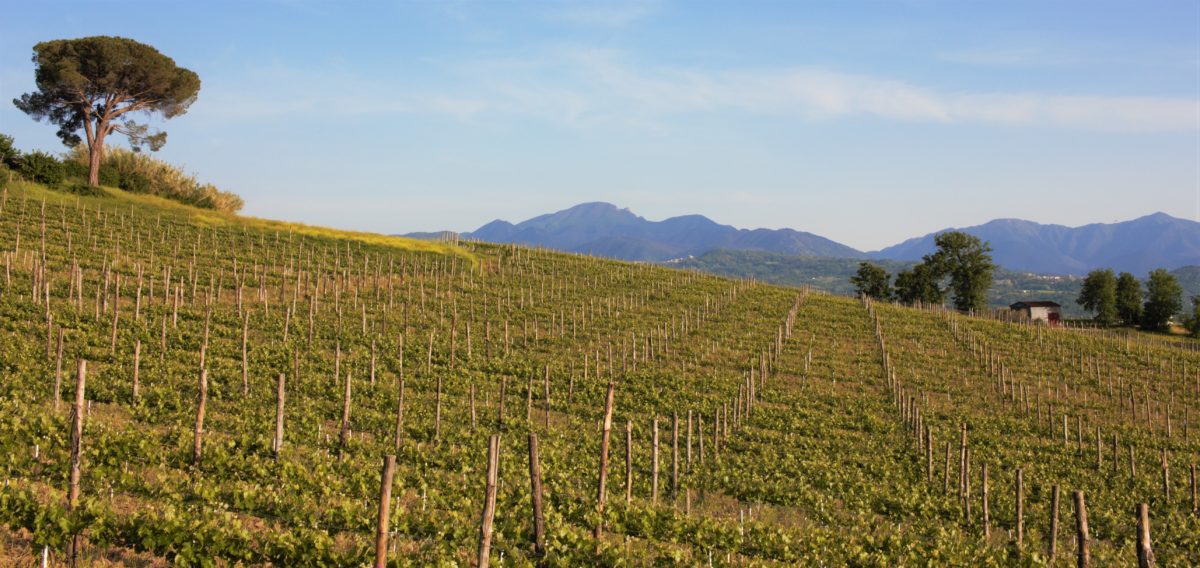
(598, 85)
(588, 87)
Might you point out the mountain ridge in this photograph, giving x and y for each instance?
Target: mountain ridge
(1139, 245)
(604, 229)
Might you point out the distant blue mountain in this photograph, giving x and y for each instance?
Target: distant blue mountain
(1137, 246)
(603, 229)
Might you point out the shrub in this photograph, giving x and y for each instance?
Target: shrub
(41, 167)
(85, 190)
(212, 198)
(74, 169)
(133, 182)
(109, 176)
(79, 170)
(139, 173)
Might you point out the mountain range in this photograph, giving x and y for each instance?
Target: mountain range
(604, 229)
(1137, 246)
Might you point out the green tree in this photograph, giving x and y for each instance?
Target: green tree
(1099, 295)
(967, 262)
(873, 281)
(8, 151)
(919, 284)
(41, 167)
(1163, 294)
(1129, 298)
(1193, 322)
(97, 84)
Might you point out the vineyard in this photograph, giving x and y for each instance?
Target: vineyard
(189, 387)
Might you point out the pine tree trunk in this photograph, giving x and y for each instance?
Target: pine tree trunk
(96, 156)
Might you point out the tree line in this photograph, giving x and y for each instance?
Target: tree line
(961, 266)
(1120, 300)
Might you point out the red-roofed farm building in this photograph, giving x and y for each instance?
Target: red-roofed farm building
(1048, 312)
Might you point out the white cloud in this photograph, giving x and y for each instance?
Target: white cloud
(585, 88)
(601, 85)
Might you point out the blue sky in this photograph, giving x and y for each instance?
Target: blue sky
(865, 122)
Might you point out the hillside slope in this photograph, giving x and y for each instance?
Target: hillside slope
(244, 381)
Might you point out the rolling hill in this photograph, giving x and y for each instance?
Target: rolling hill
(213, 390)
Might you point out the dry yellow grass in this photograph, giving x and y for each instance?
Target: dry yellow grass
(117, 198)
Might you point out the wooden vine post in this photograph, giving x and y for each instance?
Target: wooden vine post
(489, 501)
(344, 431)
(987, 516)
(385, 506)
(654, 465)
(1020, 498)
(535, 489)
(245, 356)
(1054, 497)
(962, 467)
(688, 466)
(137, 363)
(280, 396)
(1083, 555)
(400, 403)
(928, 455)
(674, 457)
(1145, 555)
(77, 415)
(1195, 503)
(58, 371)
(603, 477)
(198, 434)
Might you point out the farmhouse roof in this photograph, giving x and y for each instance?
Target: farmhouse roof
(1035, 304)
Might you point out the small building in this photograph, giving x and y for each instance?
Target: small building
(1049, 312)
